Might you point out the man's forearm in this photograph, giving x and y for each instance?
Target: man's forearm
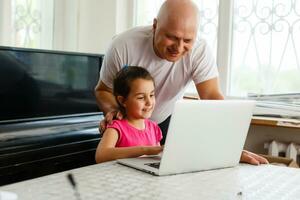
(210, 89)
(106, 101)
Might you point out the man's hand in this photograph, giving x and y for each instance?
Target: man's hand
(252, 158)
(116, 114)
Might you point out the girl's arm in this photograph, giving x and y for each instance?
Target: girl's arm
(107, 151)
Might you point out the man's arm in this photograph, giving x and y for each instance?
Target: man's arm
(209, 89)
(105, 98)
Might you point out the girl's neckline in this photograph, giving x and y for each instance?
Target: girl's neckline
(132, 126)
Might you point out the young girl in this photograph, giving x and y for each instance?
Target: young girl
(134, 135)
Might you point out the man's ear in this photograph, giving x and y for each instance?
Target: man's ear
(121, 100)
(154, 25)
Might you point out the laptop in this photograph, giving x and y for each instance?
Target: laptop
(202, 135)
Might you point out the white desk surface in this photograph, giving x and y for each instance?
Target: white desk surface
(113, 181)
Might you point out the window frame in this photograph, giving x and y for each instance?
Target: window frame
(224, 46)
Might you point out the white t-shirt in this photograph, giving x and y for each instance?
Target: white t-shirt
(135, 48)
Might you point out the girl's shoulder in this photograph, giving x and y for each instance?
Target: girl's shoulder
(117, 123)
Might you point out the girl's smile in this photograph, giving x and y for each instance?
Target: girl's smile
(140, 102)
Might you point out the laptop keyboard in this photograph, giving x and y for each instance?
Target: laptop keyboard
(155, 165)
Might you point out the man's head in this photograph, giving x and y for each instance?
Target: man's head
(175, 29)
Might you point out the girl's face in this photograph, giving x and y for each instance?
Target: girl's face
(141, 100)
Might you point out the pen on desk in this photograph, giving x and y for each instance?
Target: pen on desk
(74, 185)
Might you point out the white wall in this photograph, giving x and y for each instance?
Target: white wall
(124, 15)
(97, 25)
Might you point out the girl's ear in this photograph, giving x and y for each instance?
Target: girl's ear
(121, 100)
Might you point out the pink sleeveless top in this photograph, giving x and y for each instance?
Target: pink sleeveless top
(131, 136)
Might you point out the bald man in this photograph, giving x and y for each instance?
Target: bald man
(170, 52)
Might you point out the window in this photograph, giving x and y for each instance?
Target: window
(266, 51)
(263, 43)
(27, 23)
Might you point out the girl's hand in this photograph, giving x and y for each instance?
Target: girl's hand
(154, 150)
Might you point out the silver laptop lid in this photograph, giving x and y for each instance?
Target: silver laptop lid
(206, 134)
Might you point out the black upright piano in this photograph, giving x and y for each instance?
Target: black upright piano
(48, 112)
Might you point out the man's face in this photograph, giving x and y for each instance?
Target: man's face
(173, 40)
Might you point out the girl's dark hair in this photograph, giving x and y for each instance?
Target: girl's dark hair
(123, 79)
